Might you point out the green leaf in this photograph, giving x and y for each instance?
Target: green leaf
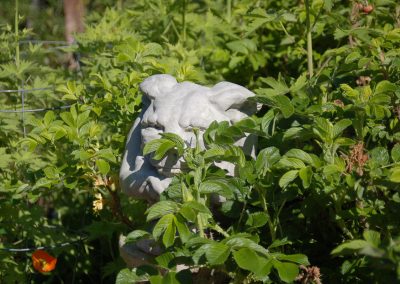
(177, 140)
(279, 243)
(217, 253)
(395, 175)
(160, 209)
(279, 86)
(328, 4)
(340, 126)
(306, 175)
(396, 153)
(169, 235)
(242, 242)
(162, 225)
(385, 87)
(200, 252)
(287, 178)
(349, 91)
(183, 229)
(296, 258)
(349, 247)
(103, 166)
(49, 117)
(287, 271)
(220, 186)
(285, 105)
(135, 235)
(188, 213)
(301, 155)
(257, 219)
(107, 154)
(266, 159)
(126, 276)
(153, 145)
(197, 207)
(299, 84)
(163, 149)
(372, 237)
(291, 163)
(380, 156)
(68, 119)
(249, 260)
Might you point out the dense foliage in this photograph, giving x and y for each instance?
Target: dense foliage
(320, 197)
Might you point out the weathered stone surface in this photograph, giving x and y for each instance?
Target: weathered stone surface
(169, 106)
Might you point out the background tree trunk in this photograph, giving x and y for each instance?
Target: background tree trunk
(74, 12)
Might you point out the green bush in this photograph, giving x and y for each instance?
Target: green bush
(321, 194)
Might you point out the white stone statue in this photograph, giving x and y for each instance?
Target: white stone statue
(169, 106)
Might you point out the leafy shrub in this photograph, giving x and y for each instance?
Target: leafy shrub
(322, 190)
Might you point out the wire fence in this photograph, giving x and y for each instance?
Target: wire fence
(21, 92)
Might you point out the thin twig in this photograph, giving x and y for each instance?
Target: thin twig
(26, 90)
(34, 110)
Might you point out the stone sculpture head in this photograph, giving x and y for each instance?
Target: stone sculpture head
(169, 106)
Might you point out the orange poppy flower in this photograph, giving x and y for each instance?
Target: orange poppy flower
(43, 262)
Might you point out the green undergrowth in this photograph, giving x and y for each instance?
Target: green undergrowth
(321, 196)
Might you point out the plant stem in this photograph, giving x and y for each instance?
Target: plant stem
(229, 11)
(265, 208)
(183, 21)
(16, 35)
(309, 42)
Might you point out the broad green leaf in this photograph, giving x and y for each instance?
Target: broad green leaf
(395, 175)
(396, 153)
(301, 155)
(385, 87)
(162, 225)
(103, 166)
(163, 149)
(285, 105)
(178, 141)
(306, 175)
(165, 259)
(299, 84)
(349, 91)
(160, 209)
(197, 207)
(372, 237)
(127, 276)
(107, 154)
(279, 243)
(135, 235)
(257, 219)
(287, 271)
(296, 258)
(340, 126)
(291, 163)
(323, 128)
(287, 178)
(169, 235)
(266, 159)
(380, 156)
(153, 145)
(216, 186)
(188, 213)
(350, 247)
(242, 242)
(68, 119)
(279, 86)
(217, 253)
(183, 229)
(249, 260)
(49, 117)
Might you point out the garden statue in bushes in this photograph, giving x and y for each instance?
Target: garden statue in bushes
(169, 106)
